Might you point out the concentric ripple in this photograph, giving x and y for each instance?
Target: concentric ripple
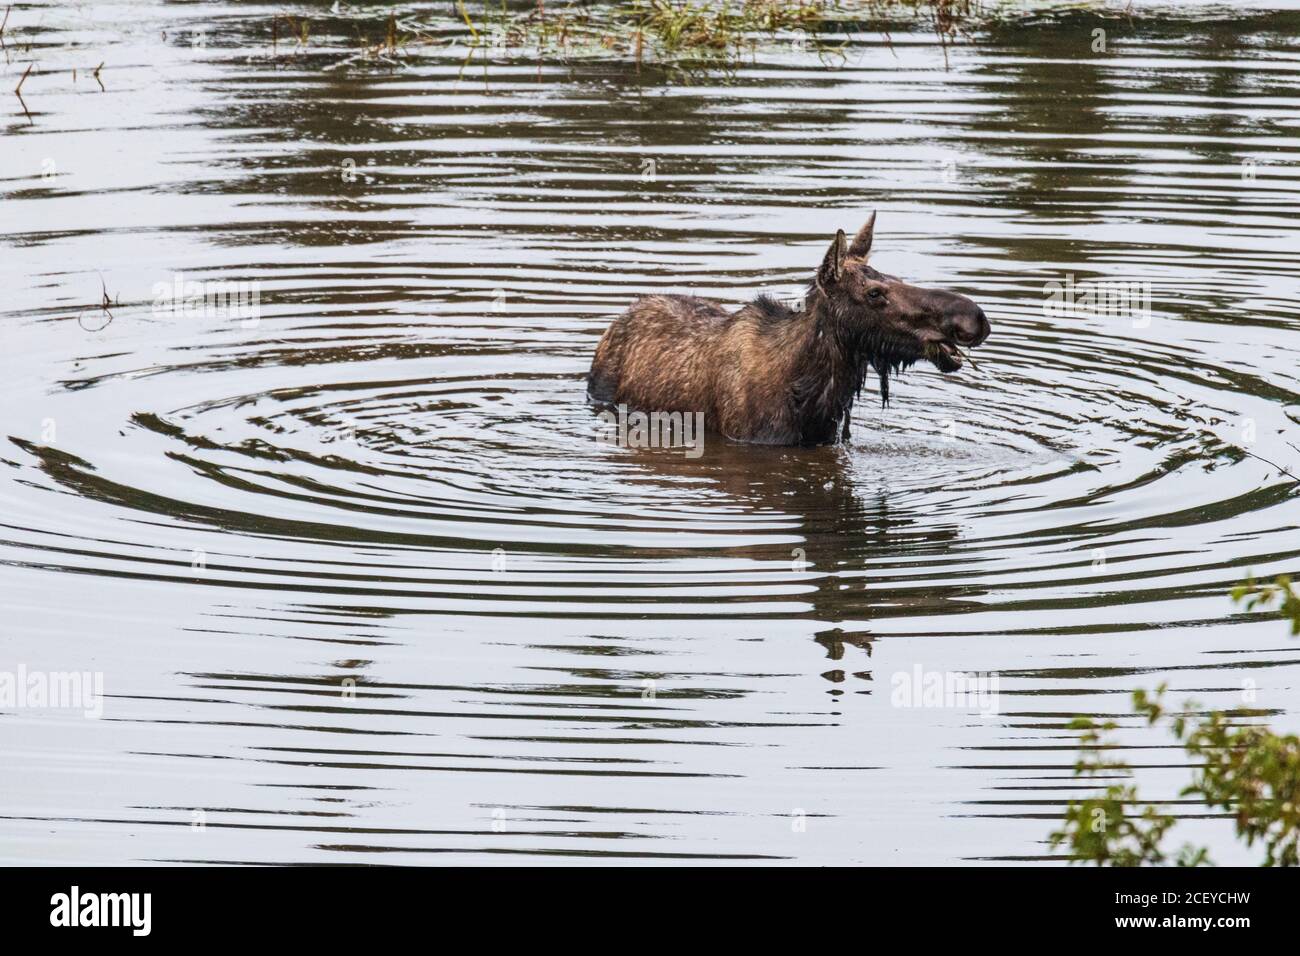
(367, 584)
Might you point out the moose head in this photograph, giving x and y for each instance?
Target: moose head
(885, 322)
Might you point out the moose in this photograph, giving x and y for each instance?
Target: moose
(770, 374)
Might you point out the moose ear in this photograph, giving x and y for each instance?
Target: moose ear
(862, 241)
(833, 265)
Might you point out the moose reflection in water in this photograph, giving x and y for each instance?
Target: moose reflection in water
(845, 541)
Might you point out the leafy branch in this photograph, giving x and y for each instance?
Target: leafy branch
(1246, 770)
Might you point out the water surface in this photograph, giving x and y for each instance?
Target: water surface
(365, 587)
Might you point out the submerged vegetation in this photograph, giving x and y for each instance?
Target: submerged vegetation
(712, 32)
(715, 33)
(701, 34)
(1246, 771)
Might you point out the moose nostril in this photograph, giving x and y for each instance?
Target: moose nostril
(964, 322)
(970, 329)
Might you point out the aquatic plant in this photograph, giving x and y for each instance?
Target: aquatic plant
(692, 34)
(709, 32)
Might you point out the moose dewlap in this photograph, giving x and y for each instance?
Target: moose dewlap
(770, 374)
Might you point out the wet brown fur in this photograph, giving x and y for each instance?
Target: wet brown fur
(770, 374)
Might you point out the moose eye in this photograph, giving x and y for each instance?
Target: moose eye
(876, 293)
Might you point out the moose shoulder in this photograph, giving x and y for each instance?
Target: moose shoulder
(772, 375)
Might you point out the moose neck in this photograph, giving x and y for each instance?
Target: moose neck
(829, 370)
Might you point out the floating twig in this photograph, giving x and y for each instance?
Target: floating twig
(18, 92)
(104, 309)
(1271, 463)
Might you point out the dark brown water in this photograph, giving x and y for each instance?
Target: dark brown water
(365, 587)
